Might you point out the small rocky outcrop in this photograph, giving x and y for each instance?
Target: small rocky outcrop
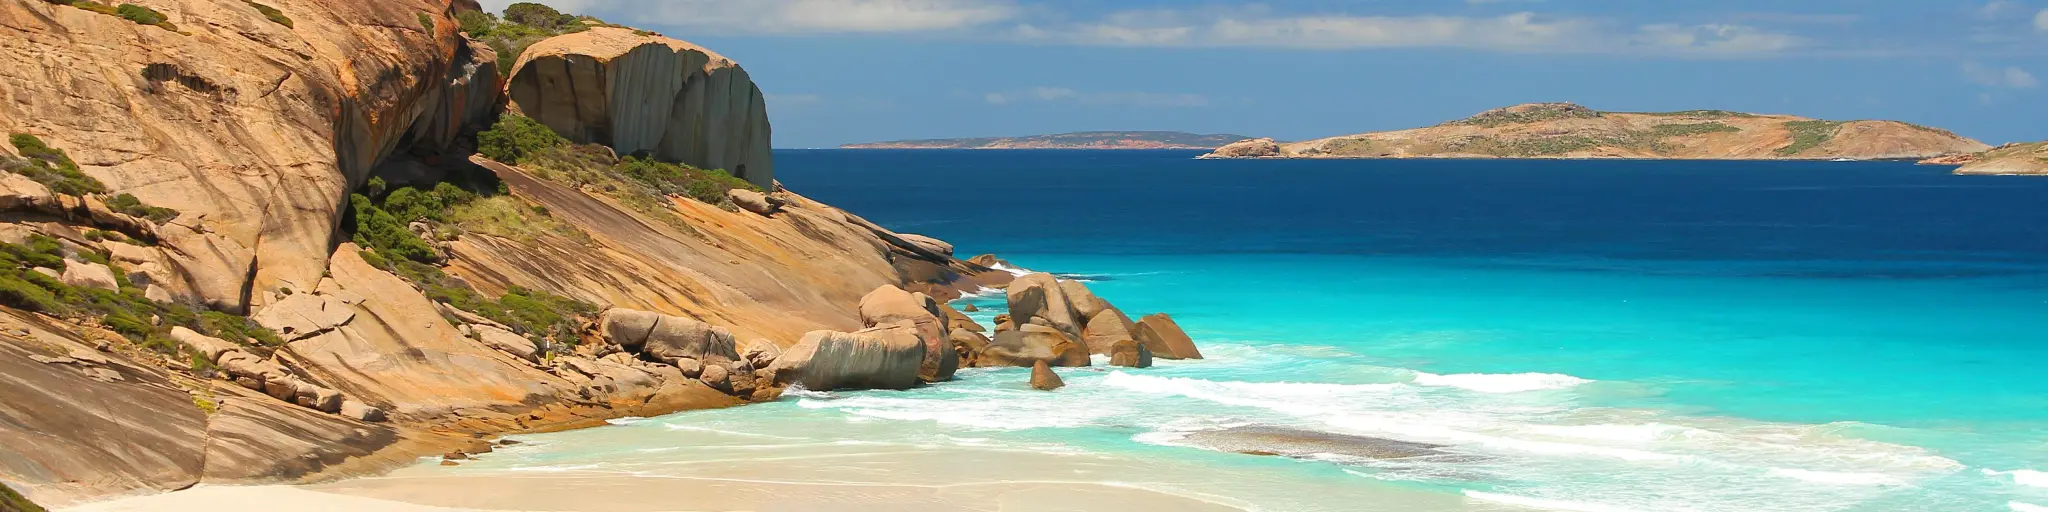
(1130, 354)
(889, 305)
(2010, 159)
(1043, 378)
(1248, 148)
(1106, 329)
(1164, 338)
(763, 204)
(888, 357)
(1040, 297)
(639, 92)
(929, 244)
(1033, 343)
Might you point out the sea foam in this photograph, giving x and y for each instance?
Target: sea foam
(1543, 503)
(1500, 382)
(2025, 477)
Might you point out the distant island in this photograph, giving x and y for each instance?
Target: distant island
(1075, 140)
(1566, 130)
(2015, 158)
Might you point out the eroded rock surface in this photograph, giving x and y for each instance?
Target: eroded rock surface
(646, 93)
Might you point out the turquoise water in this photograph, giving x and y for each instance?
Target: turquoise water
(1594, 336)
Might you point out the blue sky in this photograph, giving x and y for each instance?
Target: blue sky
(840, 71)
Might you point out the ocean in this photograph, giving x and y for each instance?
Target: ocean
(1576, 335)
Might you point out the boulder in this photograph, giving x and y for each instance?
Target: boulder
(1043, 378)
(1164, 338)
(667, 338)
(1248, 148)
(970, 308)
(316, 397)
(957, 321)
(888, 305)
(208, 347)
(637, 92)
(760, 353)
(507, 342)
(756, 202)
(717, 376)
(1031, 343)
(1086, 305)
(1106, 328)
(361, 412)
(1129, 353)
(989, 261)
(304, 315)
(928, 243)
(887, 357)
(1039, 296)
(969, 345)
(53, 273)
(90, 275)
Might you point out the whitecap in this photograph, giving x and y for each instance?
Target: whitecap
(1542, 503)
(2025, 477)
(629, 420)
(1015, 271)
(2025, 507)
(1500, 382)
(1836, 477)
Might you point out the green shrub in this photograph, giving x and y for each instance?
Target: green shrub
(709, 186)
(514, 138)
(276, 16)
(426, 22)
(537, 16)
(237, 329)
(1676, 130)
(139, 14)
(41, 251)
(52, 168)
(379, 230)
(1808, 135)
(127, 204)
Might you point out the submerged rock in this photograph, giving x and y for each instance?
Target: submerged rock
(1043, 378)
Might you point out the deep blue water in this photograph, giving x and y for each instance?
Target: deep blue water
(1592, 336)
(1893, 315)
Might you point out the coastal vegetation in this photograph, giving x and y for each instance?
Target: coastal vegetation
(637, 180)
(50, 167)
(11, 501)
(131, 12)
(1688, 129)
(523, 24)
(26, 283)
(1525, 114)
(1808, 135)
(275, 16)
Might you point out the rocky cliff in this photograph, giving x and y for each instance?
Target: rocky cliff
(1076, 140)
(640, 92)
(2028, 158)
(1564, 130)
(250, 243)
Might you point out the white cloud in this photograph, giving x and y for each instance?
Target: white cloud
(2041, 20)
(1713, 39)
(794, 16)
(1046, 94)
(2001, 9)
(2009, 77)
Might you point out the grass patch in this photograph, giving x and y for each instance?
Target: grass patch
(1702, 113)
(51, 167)
(1681, 130)
(275, 16)
(125, 310)
(1530, 114)
(510, 218)
(128, 204)
(11, 501)
(536, 314)
(426, 22)
(1808, 135)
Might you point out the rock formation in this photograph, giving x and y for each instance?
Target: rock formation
(638, 92)
(1565, 130)
(889, 305)
(1164, 338)
(1043, 378)
(887, 357)
(1033, 343)
(2017, 158)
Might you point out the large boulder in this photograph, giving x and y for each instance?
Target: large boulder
(669, 339)
(957, 321)
(1130, 354)
(1039, 296)
(507, 342)
(1105, 329)
(90, 275)
(1086, 305)
(644, 93)
(969, 345)
(928, 243)
(888, 357)
(1165, 338)
(1032, 343)
(888, 305)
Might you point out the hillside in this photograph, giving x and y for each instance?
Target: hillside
(1075, 140)
(1565, 130)
(2017, 158)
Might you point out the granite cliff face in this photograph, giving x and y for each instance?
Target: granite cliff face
(182, 299)
(639, 92)
(1565, 130)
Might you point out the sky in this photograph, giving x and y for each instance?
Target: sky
(844, 71)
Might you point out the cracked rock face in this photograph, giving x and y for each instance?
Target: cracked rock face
(647, 94)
